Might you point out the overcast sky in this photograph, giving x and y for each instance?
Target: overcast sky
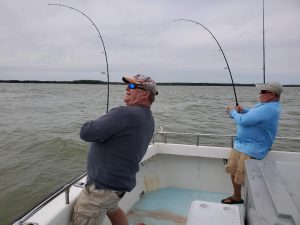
(42, 42)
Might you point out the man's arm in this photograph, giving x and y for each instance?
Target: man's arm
(104, 127)
(252, 117)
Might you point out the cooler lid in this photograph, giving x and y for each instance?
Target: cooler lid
(210, 213)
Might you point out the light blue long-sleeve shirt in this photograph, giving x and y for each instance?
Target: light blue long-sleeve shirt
(256, 128)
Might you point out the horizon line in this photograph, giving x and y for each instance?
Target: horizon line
(118, 83)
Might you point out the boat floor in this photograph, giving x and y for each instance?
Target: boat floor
(168, 206)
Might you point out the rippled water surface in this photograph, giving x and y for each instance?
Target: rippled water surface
(39, 144)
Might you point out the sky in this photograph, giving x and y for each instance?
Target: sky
(50, 42)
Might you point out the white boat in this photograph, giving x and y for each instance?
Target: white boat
(183, 184)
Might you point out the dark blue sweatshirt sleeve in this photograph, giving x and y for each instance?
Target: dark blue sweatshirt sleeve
(104, 127)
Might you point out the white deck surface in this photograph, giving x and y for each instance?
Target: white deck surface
(171, 206)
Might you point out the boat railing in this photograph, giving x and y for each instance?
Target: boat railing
(163, 136)
(64, 189)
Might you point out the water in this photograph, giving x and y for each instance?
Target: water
(39, 144)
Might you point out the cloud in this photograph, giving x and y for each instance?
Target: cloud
(56, 43)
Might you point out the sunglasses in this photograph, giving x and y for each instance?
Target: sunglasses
(135, 86)
(264, 92)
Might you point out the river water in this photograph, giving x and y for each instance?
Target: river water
(40, 149)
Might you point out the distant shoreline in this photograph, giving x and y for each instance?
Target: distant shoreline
(118, 83)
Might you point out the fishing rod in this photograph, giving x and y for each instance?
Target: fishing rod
(264, 55)
(233, 86)
(107, 71)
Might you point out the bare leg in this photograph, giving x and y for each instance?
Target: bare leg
(236, 190)
(118, 217)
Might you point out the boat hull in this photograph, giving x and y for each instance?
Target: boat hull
(164, 166)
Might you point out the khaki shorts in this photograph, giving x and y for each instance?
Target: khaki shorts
(93, 204)
(236, 165)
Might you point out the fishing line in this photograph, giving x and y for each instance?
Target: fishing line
(233, 86)
(107, 71)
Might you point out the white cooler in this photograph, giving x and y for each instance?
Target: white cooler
(210, 213)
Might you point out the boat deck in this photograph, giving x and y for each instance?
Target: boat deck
(168, 206)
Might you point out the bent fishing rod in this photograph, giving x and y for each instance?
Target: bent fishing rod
(233, 86)
(107, 71)
(264, 54)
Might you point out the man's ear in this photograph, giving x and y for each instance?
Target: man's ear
(146, 94)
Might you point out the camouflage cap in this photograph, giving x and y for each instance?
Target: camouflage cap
(142, 80)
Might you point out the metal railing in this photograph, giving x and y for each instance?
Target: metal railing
(66, 189)
(164, 135)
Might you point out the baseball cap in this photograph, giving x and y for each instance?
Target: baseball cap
(274, 87)
(142, 80)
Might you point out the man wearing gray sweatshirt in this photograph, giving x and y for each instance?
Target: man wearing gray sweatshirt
(119, 141)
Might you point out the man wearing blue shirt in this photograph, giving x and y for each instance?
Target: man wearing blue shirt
(256, 132)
